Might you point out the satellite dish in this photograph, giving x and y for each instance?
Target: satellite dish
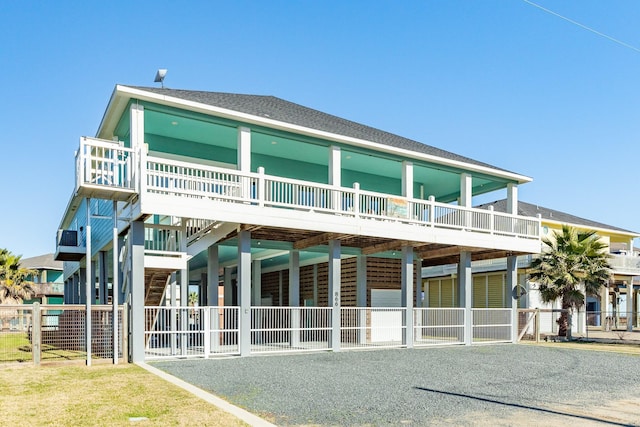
(160, 76)
(519, 291)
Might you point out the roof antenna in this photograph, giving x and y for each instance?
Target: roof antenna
(160, 76)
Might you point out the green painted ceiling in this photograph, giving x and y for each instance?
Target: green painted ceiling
(369, 168)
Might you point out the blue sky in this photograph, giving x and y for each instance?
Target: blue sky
(500, 81)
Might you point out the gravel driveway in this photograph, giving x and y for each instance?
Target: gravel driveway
(479, 385)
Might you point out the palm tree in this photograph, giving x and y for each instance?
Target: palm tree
(570, 260)
(14, 286)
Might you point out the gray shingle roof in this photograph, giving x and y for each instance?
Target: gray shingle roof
(528, 209)
(41, 262)
(295, 114)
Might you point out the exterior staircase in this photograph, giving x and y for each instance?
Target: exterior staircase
(155, 284)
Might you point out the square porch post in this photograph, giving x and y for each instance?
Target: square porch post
(334, 292)
(361, 297)
(137, 286)
(407, 295)
(244, 290)
(465, 294)
(512, 295)
(213, 282)
(294, 297)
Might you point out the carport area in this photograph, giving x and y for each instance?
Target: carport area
(474, 385)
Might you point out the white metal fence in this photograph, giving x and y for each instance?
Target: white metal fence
(365, 327)
(438, 326)
(190, 331)
(491, 325)
(206, 331)
(290, 329)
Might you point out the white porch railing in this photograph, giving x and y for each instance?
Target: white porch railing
(211, 183)
(625, 262)
(106, 164)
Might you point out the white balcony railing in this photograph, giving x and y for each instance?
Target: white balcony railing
(104, 164)
(108, 164)
(625, 262)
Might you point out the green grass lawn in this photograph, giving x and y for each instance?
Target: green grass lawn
(64, 395)
(15, 347)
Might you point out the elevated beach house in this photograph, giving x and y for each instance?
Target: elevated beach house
(240, 224)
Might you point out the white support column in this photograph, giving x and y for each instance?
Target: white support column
(184, 314)
(631, 308)
(256, 296)
(407, 295)
(294, 296)
(115, 285)
(361, 297)
(173, 295)
(244, 287)
(465, 292)
(136, 114)
(90, 288)
(334, 292)
(418, 286)
(244, 149)
(512, 295)
(137, 291)
(335, 167)
(512, 198)
(335, 174)
(407, 179)
(213, 283)
(466, 190)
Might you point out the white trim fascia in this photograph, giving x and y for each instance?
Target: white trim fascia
(275, 124)
(588, 227)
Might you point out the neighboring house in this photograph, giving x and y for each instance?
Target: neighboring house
(282, 206)
(617, 302)
(48, 281)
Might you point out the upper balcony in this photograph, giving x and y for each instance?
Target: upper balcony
(105, 170)
(169, 187)
(625, 264)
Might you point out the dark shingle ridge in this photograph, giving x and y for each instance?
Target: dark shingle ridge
(281, 110)
(528, 209)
